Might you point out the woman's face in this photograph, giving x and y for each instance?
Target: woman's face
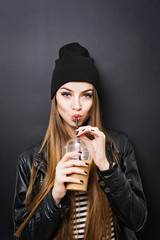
(75, 99)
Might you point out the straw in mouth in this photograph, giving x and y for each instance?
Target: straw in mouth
(76, 118)
(78, 141)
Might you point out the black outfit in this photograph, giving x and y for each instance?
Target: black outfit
(123, 188)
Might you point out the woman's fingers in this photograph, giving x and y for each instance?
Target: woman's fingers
(83, 128)
(77, 163)
(72, 166)
(65, 175)
(76, 170)
(69, 167)
(98, 144)
(68, 179)
(69, 155)
(89, 129)
(64, 169)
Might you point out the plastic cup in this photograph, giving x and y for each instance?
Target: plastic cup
(85, 149)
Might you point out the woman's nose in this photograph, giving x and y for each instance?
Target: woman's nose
(76, 105)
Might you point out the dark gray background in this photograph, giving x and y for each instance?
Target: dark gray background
(123, 36)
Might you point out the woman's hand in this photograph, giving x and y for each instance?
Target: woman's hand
(98, 144)
(64, 168)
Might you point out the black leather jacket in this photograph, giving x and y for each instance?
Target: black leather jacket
(123, 188)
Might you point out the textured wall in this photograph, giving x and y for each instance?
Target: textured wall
(123, 37)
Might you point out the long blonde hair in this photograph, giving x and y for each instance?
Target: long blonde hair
(98, 206)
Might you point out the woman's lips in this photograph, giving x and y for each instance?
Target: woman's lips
(78, 116)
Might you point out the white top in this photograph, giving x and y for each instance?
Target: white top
(80, 215)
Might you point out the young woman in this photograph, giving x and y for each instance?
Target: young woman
(114, 206)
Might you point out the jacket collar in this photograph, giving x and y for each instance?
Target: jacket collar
(40, 162)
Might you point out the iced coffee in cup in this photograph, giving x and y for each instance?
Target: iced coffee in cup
(82, 147)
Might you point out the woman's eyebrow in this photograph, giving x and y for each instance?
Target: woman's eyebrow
(64, 88)
(87, 90)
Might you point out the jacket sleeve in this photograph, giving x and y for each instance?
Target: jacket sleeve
(124, 189)
(44, 223)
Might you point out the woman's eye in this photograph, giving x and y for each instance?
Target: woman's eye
(66, 94)
(87, 95)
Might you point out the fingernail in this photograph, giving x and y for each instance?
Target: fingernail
(87, 164)
(85, 172)
(92, 130)
(81, 181)
(83, 130)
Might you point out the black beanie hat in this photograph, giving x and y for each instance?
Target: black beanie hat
(74, 65)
